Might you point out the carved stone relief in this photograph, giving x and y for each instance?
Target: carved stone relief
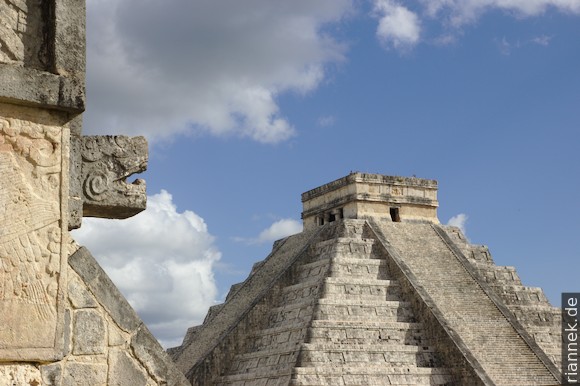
(22, 32)
(33, 190)
(107, 162)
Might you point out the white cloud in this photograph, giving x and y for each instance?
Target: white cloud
(161, 260)
(460, 12)
(459, 221)
(403, 28)
(327, 120)
(504, 46)
(398, 26)
(542, 40)
(278, 230)
(445, 39)
(178, 66)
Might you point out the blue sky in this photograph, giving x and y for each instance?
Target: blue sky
(249, 104)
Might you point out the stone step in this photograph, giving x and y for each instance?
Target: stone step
(354, 302)
(387, 358)
(362, 332)
(366, 347)
(315, 269)
(370, 374)
(345, 247)
(272, 337)
(479, 254)
(348, 309)
(361, 281)
(508, 378)
(212, 311)
(353, 229)
(297, 312)
(263, 378)
(498, 275)
(361, 288)
(519, 294)
(233, 289)
(354, 267)
(303, 291)
(469, 311)
(281, 358)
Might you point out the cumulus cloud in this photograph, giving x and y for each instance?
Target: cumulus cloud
(162, 260)
(459, 221)
(403, 28)
(278, 230)
(398, 26)
(178, 66)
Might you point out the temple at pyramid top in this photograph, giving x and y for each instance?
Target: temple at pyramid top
(364, 195)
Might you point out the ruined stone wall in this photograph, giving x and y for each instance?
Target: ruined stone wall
(62, 321)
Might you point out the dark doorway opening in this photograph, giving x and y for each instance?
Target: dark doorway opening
(395, 215)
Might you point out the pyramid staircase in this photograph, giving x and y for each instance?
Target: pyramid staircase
(496, 341)
(338, 320)
(528, 304)
(363, 331)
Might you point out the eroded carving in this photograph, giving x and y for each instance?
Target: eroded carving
(107, 162)
(31, 234)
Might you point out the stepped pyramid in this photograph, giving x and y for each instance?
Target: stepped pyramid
(375, 291)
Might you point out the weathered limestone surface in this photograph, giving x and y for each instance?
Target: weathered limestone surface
(33, 199)
(20, 374)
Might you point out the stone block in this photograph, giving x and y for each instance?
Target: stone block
(104, 290)
(89, 333)
(94, 374)
(79, 296)
(116, 336)
(41, 88)
(152, 356)
(124, 370)
(51, 374)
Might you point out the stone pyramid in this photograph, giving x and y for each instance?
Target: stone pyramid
(375, 291)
